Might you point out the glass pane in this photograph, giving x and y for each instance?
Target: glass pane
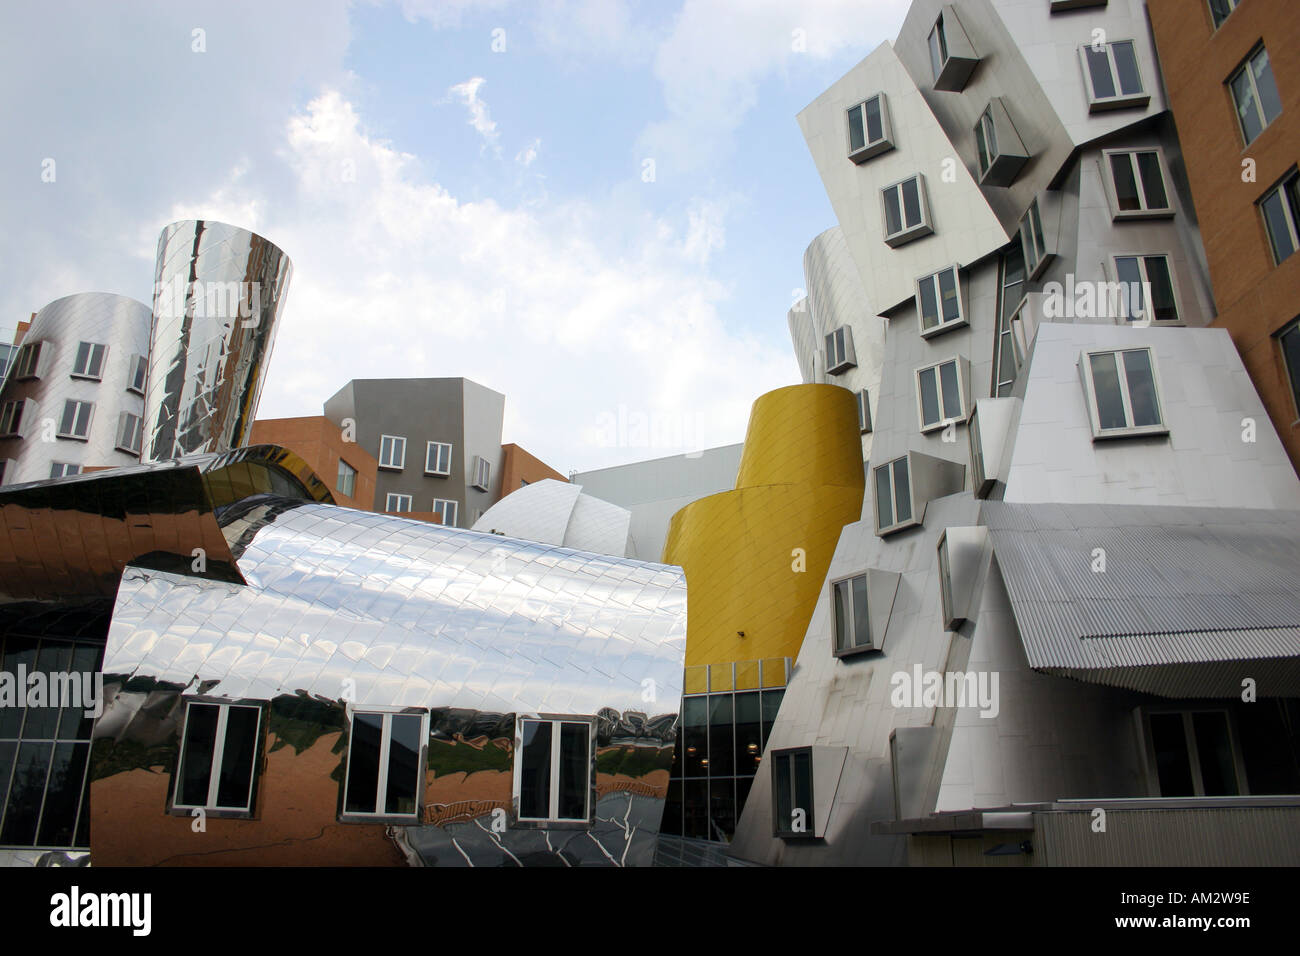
(1163, 307)
(929, 304)
(902, 490)
(1214, 752)
(696, 810)
(1220, 9)
(936, 52)
(26, 793)
(861, 622)
(1130, 277)
(575, 770)
(1141, 387)
(1126, 188)
(1247, 111)
(1173, 767)
(771, 705)
(945, 583)
(948, 295)
(1278, 232)
(1028, 253)
(535, 776)
(749, 742)
(803, 795)
(1013, 265)
(363, 763)
(722, 738)
(404, 746)
(672, 821)
(743, 786)
(18, 652)
(67, 772)
(8, 750)
(951, 394)
(911, 203)
(1105, 384)
(695, 720)
(781, 788)
(884, 501)
(1040, 242)
(991, 134)
(982, 148)
(893, 215)
(196, 754)
(722, 810)
(1103, 84)
(1153, 181)
(875, 122)
(929, 397)
(1269, 100)
(234, 786)
(53, 659)
(841, 611)
(1130, 81)
(1291, 352)
(857, 139)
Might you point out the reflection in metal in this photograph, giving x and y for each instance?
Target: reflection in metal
(120, 327)
(346, 610)
(218, 293)
(558, 512)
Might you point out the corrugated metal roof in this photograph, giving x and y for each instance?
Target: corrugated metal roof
(1184, 592)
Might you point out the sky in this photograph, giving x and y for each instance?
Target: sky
(596, 207)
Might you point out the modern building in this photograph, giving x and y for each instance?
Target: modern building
(519, 469)
(557, 512)
(351, 470)
(1071, 588)
(1231, 72)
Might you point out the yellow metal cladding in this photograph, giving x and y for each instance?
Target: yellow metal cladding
(755, 557)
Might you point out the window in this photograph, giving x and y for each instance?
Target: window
(385, 775)
(945, 584)
(864, 411)
(482, 473)
(218, 759)
(397, 503)
(941, 393)
(11, 418)
(938, 48)
(392, 452)
(1220, 9)
(938, 302)
(29, 358)
(437, 459)
(1137, 178)
(870, 133)
(1114, 78)
(347, 479)
(129, 433)
(139, 366)
(1000, 151)
(553, 771)
(849, 609)
(840, 356)
(979, 480)
(906, 210)
(89, 362)
(1058, 5)
(1033, 242)
(1138, 275)
(1123, 393)
(62, 469)
(446, 511)
(792, 792)
(1011, 286)
(952, 58)
(1289, 341)
(1194, 753)
(76, 419)
(1281, 209)
(893, 496)
(1255, 94)
(986, 142)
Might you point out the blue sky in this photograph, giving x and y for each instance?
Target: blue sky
(451, 209)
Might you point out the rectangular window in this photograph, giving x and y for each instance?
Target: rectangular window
(1289, 342)
(89, 362)
(945, 584)
(864, 411)
(1123, 393)
(986, 142)
(482, 473)
(1254, 92)
(938, 48)
(11, 418)
(28, 361)
(839, 351)
(437, 459)
(941, 394)
(129, 432)
(392, 452)
(397, 503)
(1137, 178)
(347, 479)
(1006, 360)
(1281, 209)
(1194, 753)
(906, 211)
(869, 129)
(1220, 9)
(62, 469)
(999, 150)
(792, 793)
(1114, 78)
(553, 771)
(139, 367)
(76, 419)
(979, 483)
(851, 622)
(938, 302)
(893, 496)
(1137, 275)
(385, 774)
(446, 510)
(218, 758)
(1033, 242)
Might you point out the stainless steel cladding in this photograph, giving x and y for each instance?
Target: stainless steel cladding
(218, 293)
(72, 398)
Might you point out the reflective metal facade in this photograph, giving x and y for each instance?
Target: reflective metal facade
(557, 512)
(121, 326)
(218, 294)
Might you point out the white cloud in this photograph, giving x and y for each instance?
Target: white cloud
(479, 116)
(526, 155)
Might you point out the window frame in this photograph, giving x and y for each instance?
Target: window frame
(1141, 258)
(11, 418)
(482, 480)
(846, 355)
(1094, 413)
(979, 476)
(864, 411)
(122, 420)
(941, 326)
(1244, 67)
(961, 370)
(851, 625)
(1287, 190)
(388, 501)
(553, 821)
(393, 439)
(1292, 374)
(212, 809)
(139, 369)
(912, 520)
(870, 148)
(1193, 749)
(385, 740)
(352, 479)
(90, 418)
(1120, 100)
(906, 233)
(63, 467)
(27, 363)
(1215, 22)
(429, 446)
(1033, 234)
(1112, 187)
(85, 373)
(455, 511)
(781, 828)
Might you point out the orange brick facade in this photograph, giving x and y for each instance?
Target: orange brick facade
(319, 442)
(518, 468)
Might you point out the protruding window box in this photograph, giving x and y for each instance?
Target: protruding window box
(1001, 152)
(869, 129)
(939, 305)
(1113, 76)
(905, 209)
(962, 553)
(952, 56)
(1038, 232)
(860, 609)
(840, 356)
(989, 434)
(1057, 6)
(903, 486)
(804, 783)
(1122, 391)
(943, 394)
